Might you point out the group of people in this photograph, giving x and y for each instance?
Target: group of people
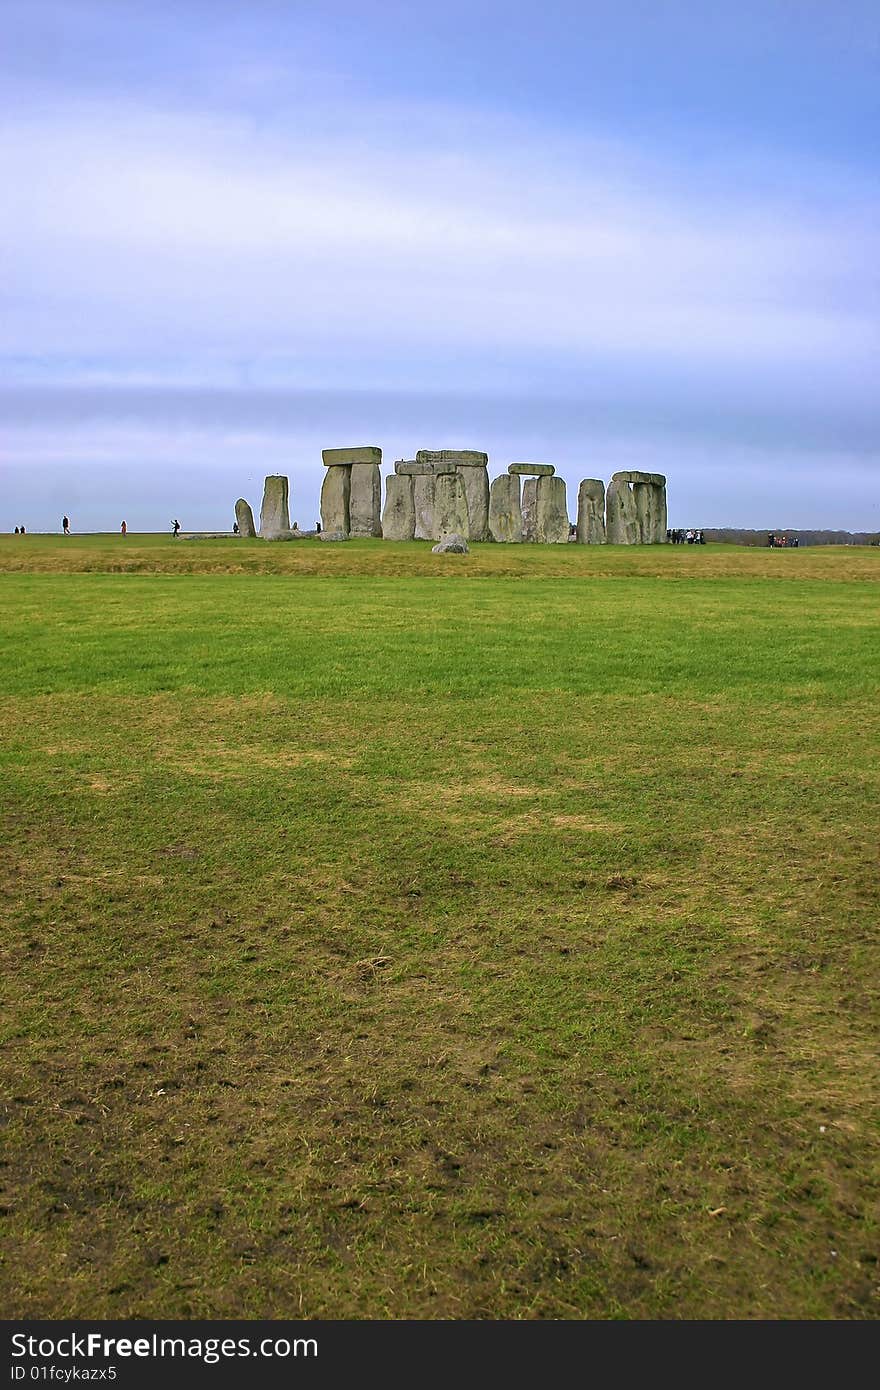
(686, 537)
(781, 542)
(20, 531)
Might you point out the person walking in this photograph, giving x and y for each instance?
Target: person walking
(123, 529)
(65, 525)
(175, 527)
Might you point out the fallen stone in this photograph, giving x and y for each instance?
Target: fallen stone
(451, 545)
(365, 500)
(458, 458)
(336, 499)
(399, 515)
(333, 536)
(450, 506)
(529, 499)
(274, 514)
(364, 453)
(245, 518)
(591, 512)
(531, 470)
(505, 509)
(551, 512)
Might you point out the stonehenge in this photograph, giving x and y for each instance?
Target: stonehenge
(446, 492)
(351, 498)
(635, 509)
(591, 512)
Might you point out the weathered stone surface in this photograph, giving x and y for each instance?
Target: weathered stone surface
(551, 512)
(333, 536)
(451, 545)
(532, 470)
(591, 512)
(423, 502)
(450, 506)
(476, 491)
(659, 508)
(245, 518)
(632, 475)
(505, 509)
(399, 516)
(365, 500)
(457, 458)
(621, 518)
(529, 500)
(274, 514)
(409, 468)
(336, 500)
(363, 453)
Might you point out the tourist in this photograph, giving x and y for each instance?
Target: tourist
(235, 528)
(65, 525)
(175, 527)
(123, 529)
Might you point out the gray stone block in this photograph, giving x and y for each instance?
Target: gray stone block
(551, 512)
(423, 502)
(621, 518)
(274, 513)
(529, 499)
(450, 506)
(591, 512)
(336, 500)
(532, 470)
(363, 453)
(365, 500)
(451, 545)
(245, 518)
(505, 509)
(399, 516)
(409, 468)
(459, 458)
(476, 491)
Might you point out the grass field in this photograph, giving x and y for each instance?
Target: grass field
(397, 935)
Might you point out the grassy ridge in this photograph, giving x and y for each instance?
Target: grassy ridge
(379, 946)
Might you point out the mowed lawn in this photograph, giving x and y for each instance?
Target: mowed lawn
(395, 935)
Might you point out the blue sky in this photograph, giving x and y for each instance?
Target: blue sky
(639, 234)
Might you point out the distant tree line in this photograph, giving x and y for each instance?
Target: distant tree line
(731, 535)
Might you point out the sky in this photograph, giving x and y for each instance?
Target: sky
(602, 234)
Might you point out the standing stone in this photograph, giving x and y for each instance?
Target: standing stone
(551, 512)
(365, 502)
(450, 506)
(399, 516)
(335, 499)
(245, 518)
(621, 518)
(274, 514)
(661, 520)
(529, 500)
(505, 509)
(423, 502)
(476, 490)
(591, 512)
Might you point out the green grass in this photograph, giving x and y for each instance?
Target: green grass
(394, 935)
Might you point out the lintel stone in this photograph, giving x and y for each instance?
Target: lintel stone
(531, 470)
(364, 453)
